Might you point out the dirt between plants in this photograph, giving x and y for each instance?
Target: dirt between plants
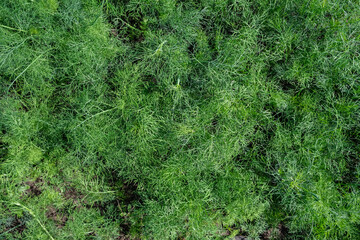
(60, 217)
(35, 187)
(57, 216)
(279, 232)
(16, 226)
(74, 195)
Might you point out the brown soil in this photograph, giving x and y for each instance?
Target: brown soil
(54, 214)
(35, 187)
(74, 195)
(279, 232)
(16, 226)
(123, 237)
(240, 238)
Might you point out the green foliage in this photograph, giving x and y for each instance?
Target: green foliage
(169, 119)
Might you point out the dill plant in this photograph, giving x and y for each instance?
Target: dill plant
(165, 119)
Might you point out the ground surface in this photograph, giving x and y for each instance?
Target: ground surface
(169, 119)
